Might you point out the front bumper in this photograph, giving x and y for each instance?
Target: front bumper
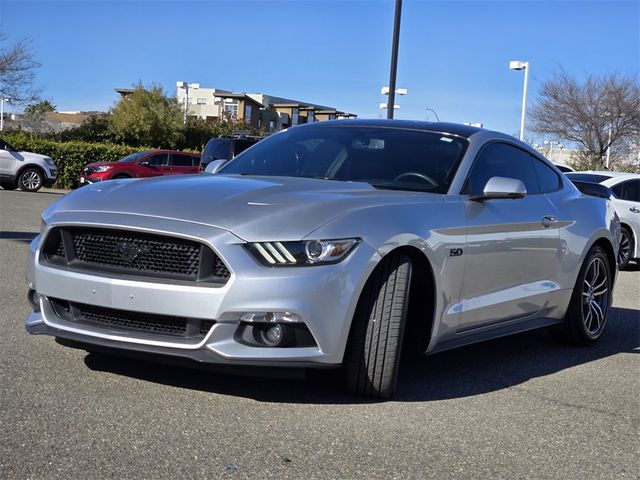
(323, 296)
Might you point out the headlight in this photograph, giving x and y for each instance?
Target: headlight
(49, 161)
(103, 168)
(306, 252)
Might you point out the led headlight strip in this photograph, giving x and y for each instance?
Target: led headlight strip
(306, 252)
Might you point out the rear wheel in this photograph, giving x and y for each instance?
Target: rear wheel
(626, 249)
(373, 352)
(30, 180)
(587, 315)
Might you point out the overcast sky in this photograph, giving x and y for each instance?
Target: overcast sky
(453, 55)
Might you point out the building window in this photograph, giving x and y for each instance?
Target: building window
(247, 113)
(231, 109)
(202, 101)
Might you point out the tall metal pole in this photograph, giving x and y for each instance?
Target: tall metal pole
(1, 114)
(609, 144)
(394, 60)
(524, 100)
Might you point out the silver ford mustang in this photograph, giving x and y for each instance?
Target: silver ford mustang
(338, 243)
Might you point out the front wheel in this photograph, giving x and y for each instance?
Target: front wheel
(373, 351)
(587, 315)
(30, 180)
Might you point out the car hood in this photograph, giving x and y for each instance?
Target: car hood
(252, 208)
(33, 156)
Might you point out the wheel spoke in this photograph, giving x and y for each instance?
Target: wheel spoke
(588, 318)
(600, 292)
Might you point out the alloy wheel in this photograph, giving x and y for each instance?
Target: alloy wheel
(31, 180)
(595, 297)
(625, 249)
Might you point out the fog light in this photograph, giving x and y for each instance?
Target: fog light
(274, 335)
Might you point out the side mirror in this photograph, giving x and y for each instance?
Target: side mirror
(501, 187)
(214, 166)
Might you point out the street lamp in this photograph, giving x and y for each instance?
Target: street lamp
(186, 86)
(519, 65)
(385, 91)
(2, 100)
(434, 112)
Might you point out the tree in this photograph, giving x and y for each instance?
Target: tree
(18, 71)
(585, 113)
(147, 117)
(40, 108)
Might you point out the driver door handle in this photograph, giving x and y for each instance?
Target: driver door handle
(549, 220)
(635, 209)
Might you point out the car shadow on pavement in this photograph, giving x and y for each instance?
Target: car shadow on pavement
(473, 370)
(24, 237)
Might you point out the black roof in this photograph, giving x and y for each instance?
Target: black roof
(444, 127)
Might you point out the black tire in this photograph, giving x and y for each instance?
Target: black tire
(30, 180)
(8, 185)
(626, 248)
(375, 342)
(586, 317)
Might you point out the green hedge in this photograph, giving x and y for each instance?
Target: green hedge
(70, 157)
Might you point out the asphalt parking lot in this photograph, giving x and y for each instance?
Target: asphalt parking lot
(522, 407)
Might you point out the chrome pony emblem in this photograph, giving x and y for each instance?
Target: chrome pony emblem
(130, 251)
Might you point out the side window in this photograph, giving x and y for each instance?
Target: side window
(547, 178)
(195, 161)
(617, 190)
(158, 160)
(630, 190)
(179, 160)
(502, 160)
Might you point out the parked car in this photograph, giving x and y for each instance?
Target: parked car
(27, 170)
(330, 244)
(227, 147)
(148, 163)
(626, 201)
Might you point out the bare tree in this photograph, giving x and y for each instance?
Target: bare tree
(600, 113)
(17, 71)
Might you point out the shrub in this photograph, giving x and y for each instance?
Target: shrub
(70, 157)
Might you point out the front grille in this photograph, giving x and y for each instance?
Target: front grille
(125, 320)
(134, 253)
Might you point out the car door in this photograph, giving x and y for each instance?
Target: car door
(182, 163)
(512, 244)
(627, 205)
(8, 159)
(155, 165)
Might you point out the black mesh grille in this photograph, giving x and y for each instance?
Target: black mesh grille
(125, 320)
(205, 326)
(136, 253)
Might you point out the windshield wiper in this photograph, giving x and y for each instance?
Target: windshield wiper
(388, 186)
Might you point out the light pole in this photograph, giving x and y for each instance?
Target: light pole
(434, 112)
(394, 60)
(2, 100)
(185, 85)
(520, 65)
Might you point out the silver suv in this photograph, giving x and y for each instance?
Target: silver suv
(27, 170)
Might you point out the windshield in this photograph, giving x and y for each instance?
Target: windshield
(386, 158)
(7, 146)
(217, 149)
(134, 156)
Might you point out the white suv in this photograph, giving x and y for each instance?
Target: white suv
(29, 171)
